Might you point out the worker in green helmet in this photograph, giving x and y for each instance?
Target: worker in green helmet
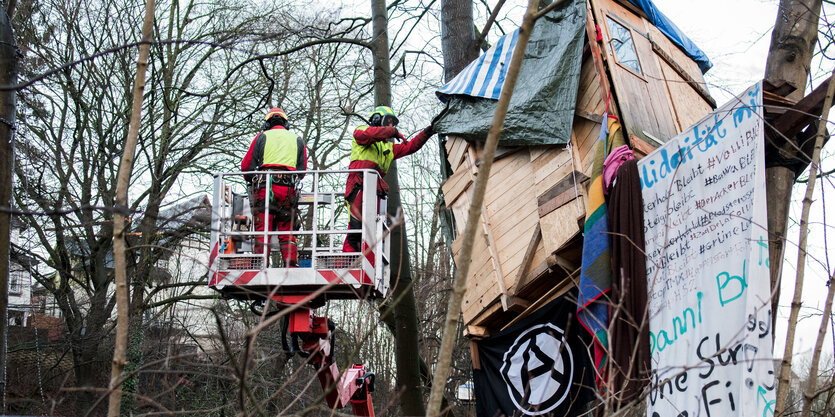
(373, 147)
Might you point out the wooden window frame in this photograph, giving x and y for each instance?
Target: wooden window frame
(628, 27)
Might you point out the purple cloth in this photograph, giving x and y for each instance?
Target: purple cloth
(615, 159)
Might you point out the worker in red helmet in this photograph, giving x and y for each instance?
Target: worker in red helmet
(276, 149)
(374, 148)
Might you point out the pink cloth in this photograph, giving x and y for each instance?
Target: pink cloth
(615, 159)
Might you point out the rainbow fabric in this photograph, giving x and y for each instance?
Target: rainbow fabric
(596, 271)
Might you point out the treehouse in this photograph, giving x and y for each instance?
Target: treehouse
(585, 59)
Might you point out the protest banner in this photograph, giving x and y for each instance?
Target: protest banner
(707, 267)
(540, 366)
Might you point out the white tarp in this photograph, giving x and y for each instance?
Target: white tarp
(707, 267)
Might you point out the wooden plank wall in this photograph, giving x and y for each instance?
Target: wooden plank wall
(643, 98)
(512, 217)
(589, 112)
(535, 197)
(688, 105)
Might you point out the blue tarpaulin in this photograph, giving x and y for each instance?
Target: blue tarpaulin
(667, 27)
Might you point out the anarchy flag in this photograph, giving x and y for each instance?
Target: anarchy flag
(540, 366)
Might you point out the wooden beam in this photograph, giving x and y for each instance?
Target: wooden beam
(565, 264)
(776, 99)
(592, 117)
(597, 57)
(476, 331)
(518, 304)
(520, 279)
(804, 112)
(784, 89)
(567, 183)
(537, 272)
(683, 74)
(561, 288)
(494, 255)
(640, 145)
(557, 202)
(474, 355)
(472, 158)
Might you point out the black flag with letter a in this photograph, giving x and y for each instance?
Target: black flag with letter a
(537, 367)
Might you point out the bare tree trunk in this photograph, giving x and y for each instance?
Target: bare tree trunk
(457, 36)
(465, 256)
(407, 353)
(785, 369)
(809, 396)
(122, 181)
(380, 50)
(459, 47)
(8, 76)
(790, 54)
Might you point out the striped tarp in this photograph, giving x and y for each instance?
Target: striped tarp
(484, 77)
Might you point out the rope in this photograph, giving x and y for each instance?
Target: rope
(8, 123)
(5, 346)
(573, 169)
(32, 306)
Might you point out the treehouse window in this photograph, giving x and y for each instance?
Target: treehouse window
(622, 46)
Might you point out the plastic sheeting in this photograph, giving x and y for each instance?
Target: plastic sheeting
(541, 110)
(667, 27)
(483, 77)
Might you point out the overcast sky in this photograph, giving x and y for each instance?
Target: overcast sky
(735, 35)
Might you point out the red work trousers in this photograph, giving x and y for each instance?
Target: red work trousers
(353, 240)
(280, 219)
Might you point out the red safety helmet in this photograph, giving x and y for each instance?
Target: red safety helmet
(275, 117)
(275, 111)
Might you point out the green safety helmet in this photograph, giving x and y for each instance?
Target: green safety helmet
(383, 116)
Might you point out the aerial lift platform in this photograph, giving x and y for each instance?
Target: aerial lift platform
(324, 272)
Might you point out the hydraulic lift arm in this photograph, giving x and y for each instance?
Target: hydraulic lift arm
(315, 333)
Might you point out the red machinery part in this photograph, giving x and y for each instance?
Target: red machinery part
(354, 386)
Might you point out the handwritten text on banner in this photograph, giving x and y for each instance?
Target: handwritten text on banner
(707, 267)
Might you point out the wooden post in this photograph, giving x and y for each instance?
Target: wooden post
(8, 76)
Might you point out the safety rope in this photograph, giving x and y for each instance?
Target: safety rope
(8, 123)
(5, 346)
(32, 306)
(573, 169)
(34, 311)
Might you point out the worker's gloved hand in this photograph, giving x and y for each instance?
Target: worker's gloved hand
(429, 130)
